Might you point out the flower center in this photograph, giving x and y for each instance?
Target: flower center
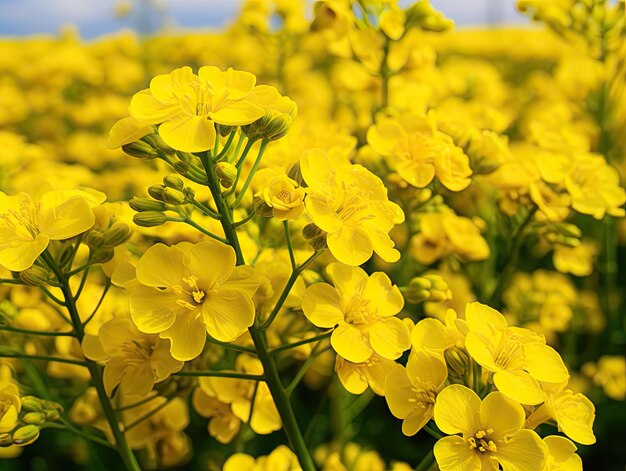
(357, 312)
(351, 206)
(480, 441)
(425, 394)
(194, 293)
(137, 350)
(283, 195)
(25, 216)
(510, 350)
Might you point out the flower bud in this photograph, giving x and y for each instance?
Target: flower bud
(149, 219)
(157, 143)
(457, 360)
(172, 196)
(34, 418)
(189, 193)
(174, 181)
(35, 276)
(224, 130)
(311, 231)
(117, 234)
(94, 239)
(103, 254)
(181, 167)
(5, 440)
(146, 204)
(25, 435)
(52, 415)
(262, 208)
(318, 243)
(31, 404)
(156, 191)
(226, 173)
(140, 150)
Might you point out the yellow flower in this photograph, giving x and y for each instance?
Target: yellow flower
(239, 393)
(418, 151)
(363, 309)
(562, 455)
(610, 374)
(492, 433)
(356, 377)
(575, 260)
(518, 358)
(10, 403)
(285, 198)
(433, 336)
(350, 204)
(184, 291)
(28, 225)
(134, 360)
(127, 130)
(281, 458)
(573, 412)
(187, 105)
(223, 424)
(411, 392)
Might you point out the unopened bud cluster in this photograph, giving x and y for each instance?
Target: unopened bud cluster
(172, 195)
(427, 288)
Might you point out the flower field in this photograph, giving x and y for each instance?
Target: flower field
(351, 238)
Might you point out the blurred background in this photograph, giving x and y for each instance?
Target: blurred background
(26, 17)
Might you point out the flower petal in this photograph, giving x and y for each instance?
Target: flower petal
(189, 133)
(457, 410)
(390, 338)
(228, 314)
(351, 246)
(523, 452)
(384, 296)
(187, 336)
(153, 311)
(349, 342)
(237, 113)
(147, 109)
(162, 266)
(454, 454)
(519, 386)
(321, 305)
(503, 415)
(544, 363)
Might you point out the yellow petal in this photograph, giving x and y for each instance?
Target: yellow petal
(430, 334)
(384, 297)
(322, 213)
(322, 306)
(347, 280)
(523, 452)
(152, 310)
(17, 254)
(454, 454)
(384, 136)
(503, 415)
(189, 133)
(187, 336)
(349, 342)
(416, 419)
(127, 130)
(560, 448)
(519, 386)
(390, 338)
(66, 220)
(351, 376)
(237, 113)
(457, 410)
(228, 314)
(426, 368)
(544, 363)
(350, 246)
(484, 319)
(399, 392)
(168, 88)
(238, 83)
(222, 265)
(146, 108)
(161, 266)
(481, 351)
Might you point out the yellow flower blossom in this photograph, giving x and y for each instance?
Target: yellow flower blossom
(133, 360)
(576, 260)
(356, 377)
(610, 374)
(363, 309)
(239, 394)
(350, 204)
(285, 197)
(562, 455)
(186, 290)
(418, 151)
(281, 458)
(411, 391)
(28, 225)
(187, 105)
(434, 336)
(573, 412)
(223, 424)
(491, 431)
(518, 358)
(10, 403)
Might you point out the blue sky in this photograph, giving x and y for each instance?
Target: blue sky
(95, 17)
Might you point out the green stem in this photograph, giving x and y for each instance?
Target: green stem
(95, 370)
(511, 260)
(290, 282)
(304, 368)
(205, 210)
(282, 348)
(220, 374)
(95, 310)
(230, 346)
(44, 333)
(78, 432)
(272, 378)
(11, 281)
(146, 416)
(136, 404)
(245, 220)
(426, 462)
(226, 145)
(432, 432)
(204, 231)
(42, 357)
(256, 164)
(292, 257)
